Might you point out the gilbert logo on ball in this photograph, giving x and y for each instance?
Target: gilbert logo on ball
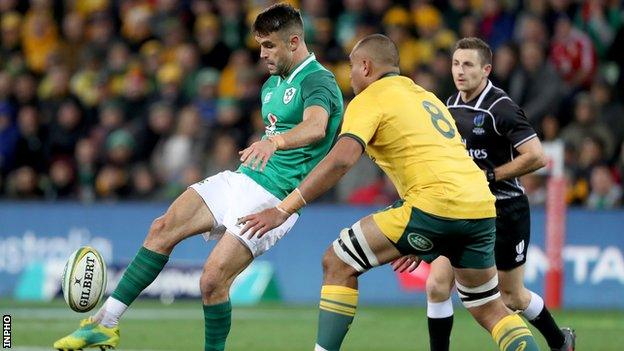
(84, 279)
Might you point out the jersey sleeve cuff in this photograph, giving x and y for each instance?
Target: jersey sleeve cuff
(356, 138)
(525, 140)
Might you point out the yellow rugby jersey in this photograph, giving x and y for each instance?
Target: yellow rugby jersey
(411, 135)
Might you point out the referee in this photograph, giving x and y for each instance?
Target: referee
(501, 141)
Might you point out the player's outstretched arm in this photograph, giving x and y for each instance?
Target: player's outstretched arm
(324, 176)
(310, 130)
(531, 158)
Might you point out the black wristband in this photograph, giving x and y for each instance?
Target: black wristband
(490, 175)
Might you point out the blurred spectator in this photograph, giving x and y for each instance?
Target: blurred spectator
(527, 87)
(10, 24)
(9, 136)
(205, 100)
(454, 12)
(159, 123)
(25, 90)
(39, 35)
(213, 51)
(530, 27)
(610, 112)
(65, 130)
(61, 185)
(233, 27)
(112, 183)
(23, 184)
(535, 188)
(86, 169)
(497, 24)
(586, 124)
(605, 193)
(441, 69)
(143, 184)
(32, 147)
(573, 54)
(600, 19)
(549, 128)
(223, 154)
(347, 20)
(181, 149)
(505, 61)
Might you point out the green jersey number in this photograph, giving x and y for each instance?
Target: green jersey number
(439, 122)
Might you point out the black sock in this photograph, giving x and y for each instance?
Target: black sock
(545, 323)
(440, 333)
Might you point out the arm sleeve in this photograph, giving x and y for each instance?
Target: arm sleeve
(320, 89)
(512, 123)
(361, 120)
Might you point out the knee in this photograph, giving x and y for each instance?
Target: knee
(515, 299)
(213, 284)
(333, 266)
(438, 288)
(157, 238)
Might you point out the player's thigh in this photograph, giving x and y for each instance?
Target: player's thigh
(513, 232)
(188, 215)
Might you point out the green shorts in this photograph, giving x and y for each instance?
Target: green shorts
(468, 243)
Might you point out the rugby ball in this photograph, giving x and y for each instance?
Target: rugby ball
(84, 279)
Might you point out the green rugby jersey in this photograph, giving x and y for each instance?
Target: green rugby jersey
(283, 102)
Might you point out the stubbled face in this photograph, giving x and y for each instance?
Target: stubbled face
(276, 53)
(468, 70)
(358, 73)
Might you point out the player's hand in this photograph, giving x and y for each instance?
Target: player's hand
(262, 222)
(406, 263)
(257, 154)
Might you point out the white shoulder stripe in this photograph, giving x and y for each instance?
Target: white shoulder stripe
(484, 93)
(497, 100)
(302, 66)
(525, 140)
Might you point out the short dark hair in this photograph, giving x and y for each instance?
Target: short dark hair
(276, 18)
(472, 43)
(381, 49)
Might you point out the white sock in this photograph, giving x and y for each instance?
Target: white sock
(317, 347)
(110, 312)
(442, 309)
(535, 307)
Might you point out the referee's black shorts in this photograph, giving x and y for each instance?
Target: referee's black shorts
(513, 232)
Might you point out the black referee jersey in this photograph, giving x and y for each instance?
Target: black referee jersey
(492, 126)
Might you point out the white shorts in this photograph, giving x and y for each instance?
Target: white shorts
(229, 196)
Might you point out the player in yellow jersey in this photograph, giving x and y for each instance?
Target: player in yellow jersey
(446, 207)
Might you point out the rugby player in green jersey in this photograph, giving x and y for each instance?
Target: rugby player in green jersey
(302, 110)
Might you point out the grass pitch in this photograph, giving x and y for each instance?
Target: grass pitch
(150, 325)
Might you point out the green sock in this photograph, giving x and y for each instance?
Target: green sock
(217, 322)
(141, 272)
(512, 334)
(337, 309)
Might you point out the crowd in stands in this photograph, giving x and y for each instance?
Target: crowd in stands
(137, 99)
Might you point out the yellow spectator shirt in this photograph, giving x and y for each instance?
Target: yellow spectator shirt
(411, 135)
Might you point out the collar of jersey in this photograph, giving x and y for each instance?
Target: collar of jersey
(297, 69)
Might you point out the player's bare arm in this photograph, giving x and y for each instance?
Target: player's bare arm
(323, 177)
(531, 158)
(311, 130)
